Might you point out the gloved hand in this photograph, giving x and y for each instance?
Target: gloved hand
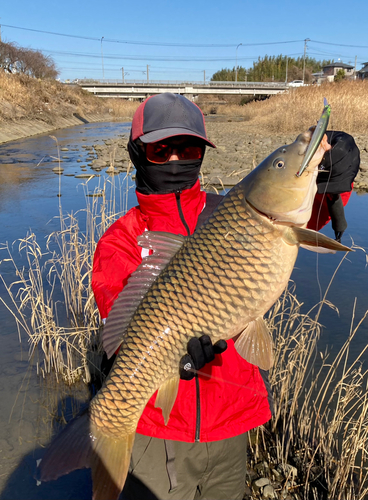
(200, 351)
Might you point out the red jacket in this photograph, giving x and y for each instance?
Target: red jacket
(233, 399)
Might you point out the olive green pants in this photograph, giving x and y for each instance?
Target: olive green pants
(174, 470)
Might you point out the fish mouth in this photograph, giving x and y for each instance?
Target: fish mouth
(297, 217)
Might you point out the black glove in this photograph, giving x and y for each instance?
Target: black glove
(200, 351)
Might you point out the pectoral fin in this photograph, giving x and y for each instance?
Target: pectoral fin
(166, 396)
(311, 240)
(255, 344)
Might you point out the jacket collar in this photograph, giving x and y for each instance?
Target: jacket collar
(165, 212)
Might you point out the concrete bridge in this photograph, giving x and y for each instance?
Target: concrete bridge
(141, 90)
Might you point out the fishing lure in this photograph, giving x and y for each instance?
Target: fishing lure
(316, 139)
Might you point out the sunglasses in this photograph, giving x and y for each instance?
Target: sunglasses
(160, 152)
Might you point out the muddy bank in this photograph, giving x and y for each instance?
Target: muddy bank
(240, 148)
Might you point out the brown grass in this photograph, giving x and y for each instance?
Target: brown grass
(23, 97)
(52, 300)
(297, 109)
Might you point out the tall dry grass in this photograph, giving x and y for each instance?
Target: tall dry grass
(26, 98)
(52, 300)
(321, 419)
(120, 108)
(320, 426)
(320, 423)
(297, 109)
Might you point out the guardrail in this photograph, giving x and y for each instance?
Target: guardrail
(178, 83)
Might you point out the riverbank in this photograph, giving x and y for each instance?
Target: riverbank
(29, 107)
(240, 147)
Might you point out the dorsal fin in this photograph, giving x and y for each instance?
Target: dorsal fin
(164, 246)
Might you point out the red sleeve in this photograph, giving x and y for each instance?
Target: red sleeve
(320, 214)
(116, 257)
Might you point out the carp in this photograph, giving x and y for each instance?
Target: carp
(220, 281)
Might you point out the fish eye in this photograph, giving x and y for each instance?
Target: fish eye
(279, 163)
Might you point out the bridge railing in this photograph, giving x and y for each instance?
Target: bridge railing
(178, 82)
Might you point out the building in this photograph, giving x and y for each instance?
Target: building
(363, 73)
(331, 70)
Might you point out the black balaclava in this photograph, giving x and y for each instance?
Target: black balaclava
(170, 177)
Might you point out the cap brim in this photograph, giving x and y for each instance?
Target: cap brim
(159, 135)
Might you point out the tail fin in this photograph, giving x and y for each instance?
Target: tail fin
(110, 464)
(80, 445)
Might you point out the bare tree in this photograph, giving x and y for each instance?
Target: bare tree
(15, 59)
(8, 57)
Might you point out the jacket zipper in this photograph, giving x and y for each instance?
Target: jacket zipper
(198, 415)
(181, 214)
(198, 399)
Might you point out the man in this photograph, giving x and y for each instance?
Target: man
(337, 172)
(201, 453)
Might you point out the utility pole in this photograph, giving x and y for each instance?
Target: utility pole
(122, 72)
(287, 59)
(204, 76)
(354, 64)
(236, 62)
(305, 50)
(103, 70)
(147, 73)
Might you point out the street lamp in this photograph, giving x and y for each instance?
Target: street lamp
(103, 71)
(236, 63)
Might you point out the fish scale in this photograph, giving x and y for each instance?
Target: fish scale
(189, 299)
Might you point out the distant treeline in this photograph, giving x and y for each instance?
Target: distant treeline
(16, 59)
(273, 68)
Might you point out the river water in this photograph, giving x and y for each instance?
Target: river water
(29, 200)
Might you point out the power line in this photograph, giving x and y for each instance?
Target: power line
(341, 44)
(145, 57)
(162, 44)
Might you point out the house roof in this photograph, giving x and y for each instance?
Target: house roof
(338, 65)
(363, 70)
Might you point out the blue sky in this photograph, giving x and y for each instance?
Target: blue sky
(183, 40)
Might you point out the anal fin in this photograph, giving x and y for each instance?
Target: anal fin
(166, 396)
(255, 344)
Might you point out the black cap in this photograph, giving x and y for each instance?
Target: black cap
(168, 115)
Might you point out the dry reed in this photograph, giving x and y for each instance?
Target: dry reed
(24, 97)
(52, 299)
(320, 421)
(297, 109)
